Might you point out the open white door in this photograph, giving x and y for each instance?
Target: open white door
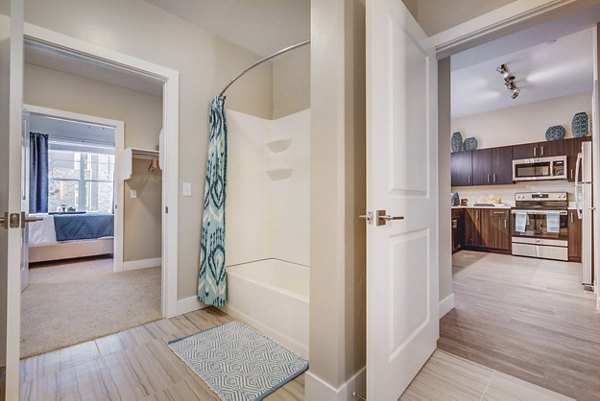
(595, 169)
(11, 86)
(402, 255)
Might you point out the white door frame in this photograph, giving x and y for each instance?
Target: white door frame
(170, 181)
(119, 197)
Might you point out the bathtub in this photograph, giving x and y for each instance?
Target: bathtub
(271, 295)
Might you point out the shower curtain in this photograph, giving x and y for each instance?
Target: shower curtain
(38, 173)
(212, 280)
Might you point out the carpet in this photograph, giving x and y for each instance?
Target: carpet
(76, 302)
(237, 362)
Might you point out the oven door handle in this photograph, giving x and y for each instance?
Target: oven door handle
(561, 212)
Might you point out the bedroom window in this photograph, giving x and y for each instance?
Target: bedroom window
(80, 176)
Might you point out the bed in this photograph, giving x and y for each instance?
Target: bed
(67, 236)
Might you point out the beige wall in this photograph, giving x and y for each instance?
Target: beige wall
(291, 82)
(253, 93)
(141, 30)
(522, 124)
(337, 240)
(142, 217)
(436, 16)
(142, 114)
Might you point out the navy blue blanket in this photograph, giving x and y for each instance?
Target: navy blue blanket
(83, 226)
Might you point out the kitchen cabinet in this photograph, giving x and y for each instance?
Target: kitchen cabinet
(487, 228)
(457, 224)
(502, 165)
(575, 237)
(461, 168)
(495, 229)
(472, 228)
(487, 167)
(572, 149)
(539, 149)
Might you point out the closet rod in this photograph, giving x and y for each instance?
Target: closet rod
(287, 49)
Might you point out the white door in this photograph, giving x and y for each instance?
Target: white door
(402, 255)
(11, 87)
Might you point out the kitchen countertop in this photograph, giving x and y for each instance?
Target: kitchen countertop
(481, 207)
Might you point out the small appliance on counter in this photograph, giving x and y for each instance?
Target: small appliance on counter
(540, 225)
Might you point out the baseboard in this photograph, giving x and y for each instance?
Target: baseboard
(316, 389)
(190, 304)
(141, 264)
(446, 305)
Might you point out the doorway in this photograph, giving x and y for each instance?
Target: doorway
(519, 246)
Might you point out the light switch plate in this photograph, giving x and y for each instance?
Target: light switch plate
(133, 194)
(187, 189)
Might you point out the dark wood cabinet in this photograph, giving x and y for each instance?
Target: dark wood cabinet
(472, 227)
(538, 149)
(572, 149)
(461, 169)
(575, 237)
(502, 165)
(486, 167)
(457, 224)
(525, 151)
(495, 229)
(482, 166)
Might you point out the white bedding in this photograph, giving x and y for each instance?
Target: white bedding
(42, 232)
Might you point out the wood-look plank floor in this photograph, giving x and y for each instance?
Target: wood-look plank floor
(526, 317)
(138, 365)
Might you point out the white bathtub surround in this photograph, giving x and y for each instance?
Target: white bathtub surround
(267, 216)
(272, 296)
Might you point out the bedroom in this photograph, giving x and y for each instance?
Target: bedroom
(92, 264)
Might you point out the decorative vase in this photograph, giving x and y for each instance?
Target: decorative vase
(454, 199)
(470, 144)
(555, 133)
(456, 142)
(580, 124)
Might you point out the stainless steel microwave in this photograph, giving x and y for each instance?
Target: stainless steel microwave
(541, 168)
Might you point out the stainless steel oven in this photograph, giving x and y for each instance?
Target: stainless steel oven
(542, 168)
(540, 225)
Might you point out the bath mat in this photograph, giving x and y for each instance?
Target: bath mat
(237, 362)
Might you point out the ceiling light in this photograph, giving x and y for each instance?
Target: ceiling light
(509, 80)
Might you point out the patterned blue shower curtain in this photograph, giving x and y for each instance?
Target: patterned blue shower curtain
(212, 281)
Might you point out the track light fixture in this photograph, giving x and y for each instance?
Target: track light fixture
(509, 80)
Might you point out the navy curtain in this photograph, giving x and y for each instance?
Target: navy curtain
(38, 173)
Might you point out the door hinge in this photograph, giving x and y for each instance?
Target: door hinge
(4, 220)
(166, 209)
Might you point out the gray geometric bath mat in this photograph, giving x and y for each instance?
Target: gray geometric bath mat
(237, 362)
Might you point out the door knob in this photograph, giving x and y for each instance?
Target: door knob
(383, 217)
(25, 219)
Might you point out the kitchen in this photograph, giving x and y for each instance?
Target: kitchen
(521, 178)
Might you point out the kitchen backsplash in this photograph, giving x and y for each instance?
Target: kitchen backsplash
(507, 192)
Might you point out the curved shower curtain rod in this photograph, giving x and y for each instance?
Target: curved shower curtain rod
(287, 49)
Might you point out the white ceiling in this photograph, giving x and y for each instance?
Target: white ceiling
(76, 65)
(548, 61)
(261, 26)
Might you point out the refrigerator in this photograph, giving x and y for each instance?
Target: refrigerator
(585, 207)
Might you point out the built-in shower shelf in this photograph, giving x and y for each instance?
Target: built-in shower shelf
(279, 173)
(278, 145)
